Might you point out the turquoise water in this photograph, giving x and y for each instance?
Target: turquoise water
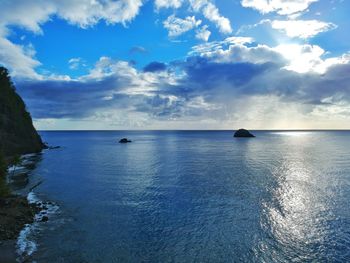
(195, 196)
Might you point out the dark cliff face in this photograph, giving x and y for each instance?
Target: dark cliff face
(17, 133)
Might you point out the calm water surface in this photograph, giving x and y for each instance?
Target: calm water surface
(196, 196)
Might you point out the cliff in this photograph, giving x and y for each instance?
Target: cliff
(17, 136)
(17, 133)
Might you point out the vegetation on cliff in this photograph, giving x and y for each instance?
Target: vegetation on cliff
(4, 190)
(17, 133)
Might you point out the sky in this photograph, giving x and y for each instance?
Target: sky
(179, 64)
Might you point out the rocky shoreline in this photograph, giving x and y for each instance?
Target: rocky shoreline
(15, 213)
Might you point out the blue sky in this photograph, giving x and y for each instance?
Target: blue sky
(180, 64)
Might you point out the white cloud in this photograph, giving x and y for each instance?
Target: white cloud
(27, 14)
(19, 59)
(203, 33)
(211, 12)
(219, 45)
(31, 14)
(177, 26)
(300, 58)
(168, 3)
(302, 28)
(106, 67)
(206, 7)
(85, 13)
(134, 82)
(281, 7)
(75, 63)
(237, 53)
(308, 58)
(293, 28)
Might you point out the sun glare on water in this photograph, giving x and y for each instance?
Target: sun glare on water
(293, 133)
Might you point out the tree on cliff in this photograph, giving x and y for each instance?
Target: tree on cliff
(17, 133)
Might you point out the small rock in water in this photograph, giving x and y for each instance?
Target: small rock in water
(124, 140)
(243, 133)
(54, 147)
(44, 219)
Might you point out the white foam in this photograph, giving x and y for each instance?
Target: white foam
(25, 159)
(15, 168)
(28, 155)
(32, 198)
(26, 246)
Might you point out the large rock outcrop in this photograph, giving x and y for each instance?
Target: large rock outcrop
(17, 133)
(243, 133)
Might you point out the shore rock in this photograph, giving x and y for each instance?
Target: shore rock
(243, 133)
(53, 147)
(124, 140)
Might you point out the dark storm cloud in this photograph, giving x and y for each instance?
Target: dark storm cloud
(204, 74)
(160, 107)
(73, 99)
(334, 83)
(154, 67)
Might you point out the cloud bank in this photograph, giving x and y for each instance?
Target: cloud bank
(231, 81)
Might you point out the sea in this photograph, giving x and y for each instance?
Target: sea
(190, 196)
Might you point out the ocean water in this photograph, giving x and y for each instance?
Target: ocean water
(195, 196)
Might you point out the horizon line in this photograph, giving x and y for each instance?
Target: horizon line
(301, 130)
